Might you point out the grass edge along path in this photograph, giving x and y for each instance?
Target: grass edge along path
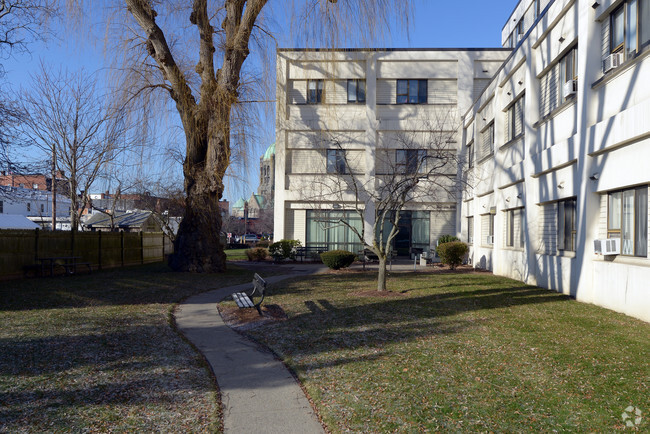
(99, 352)
(459, 352)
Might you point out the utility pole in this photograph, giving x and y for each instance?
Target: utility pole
(53, 188)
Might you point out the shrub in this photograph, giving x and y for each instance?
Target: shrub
(263, 243)
(452, 253)
(257, 254)
(284, 249)
(447, 239)
(336, 259)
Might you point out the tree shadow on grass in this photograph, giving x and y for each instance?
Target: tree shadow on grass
(155, 283)
(336, 326)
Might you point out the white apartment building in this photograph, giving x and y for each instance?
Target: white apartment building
(554, 137)
(36, 205)
(558, 145)
(339, 108)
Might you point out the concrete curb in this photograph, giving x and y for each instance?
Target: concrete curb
(258, 393)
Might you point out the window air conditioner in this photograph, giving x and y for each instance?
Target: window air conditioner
(490, 239)
(610, 246)
(570, 88)
(471, 240)
(612, 61)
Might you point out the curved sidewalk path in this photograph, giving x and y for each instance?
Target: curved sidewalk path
(257, 391)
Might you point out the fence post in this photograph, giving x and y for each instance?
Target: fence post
(99, 266)
(122, 247)
(36, 244)
(142, 247)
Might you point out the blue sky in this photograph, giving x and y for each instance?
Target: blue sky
(436, 24)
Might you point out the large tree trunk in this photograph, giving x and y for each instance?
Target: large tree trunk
(197, 247)
(381, 274)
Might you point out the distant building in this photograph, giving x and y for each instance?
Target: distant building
(266, 188)
(36, 205)
(131, 221)
(35, 181)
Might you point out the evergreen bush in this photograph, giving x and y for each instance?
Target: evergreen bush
(452, 253)
(257, 254)
(336, 259)
(447, 239)
(284, 249)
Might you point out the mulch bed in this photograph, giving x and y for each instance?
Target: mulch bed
(247, 319)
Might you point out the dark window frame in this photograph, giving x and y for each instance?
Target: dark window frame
(336, 162)
(413, 161)
(567, 215)
(638, 249)
(356, 99)
(315, 96)
(407, 97)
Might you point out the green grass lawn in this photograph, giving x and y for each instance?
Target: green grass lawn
(468, 352)
(236, 254)
(97, 352)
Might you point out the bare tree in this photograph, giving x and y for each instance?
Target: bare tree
(75, 126)
(414, 166)
(201, 67)
(23, 21)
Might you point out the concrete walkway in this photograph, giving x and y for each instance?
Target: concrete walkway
(258, 392)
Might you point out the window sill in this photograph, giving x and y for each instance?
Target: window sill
(566, 104)
(513, 140)
(559, 254)
(623, 260)
(513, 249)
(483, 159)
(489, 246)
(628, 64)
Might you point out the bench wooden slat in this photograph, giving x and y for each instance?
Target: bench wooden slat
(245, 300)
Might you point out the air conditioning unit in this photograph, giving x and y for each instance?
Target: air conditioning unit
(609, 246)
(612, 61)
(470, 240)
(490, 239)
(570, 88)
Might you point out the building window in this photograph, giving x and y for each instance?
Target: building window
(568, 73)
(314, 91)
(629, 27)
(326, 229)
(627, 219)
(42, 208)
(536, 10)
(336, 161)
(487, 140)
(566, 225)
(29, 207)
(559, 84)
(1, 207)
(411, 91)
(487, 230)
(35, 186)
(515, 228)
(515, 119)
(356, 91)
(470, 155)
(409, 161)
(470, 230)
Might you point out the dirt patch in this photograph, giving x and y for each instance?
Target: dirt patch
(382, 294)
(246, 319)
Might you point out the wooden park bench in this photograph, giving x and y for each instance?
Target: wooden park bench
(245, 300)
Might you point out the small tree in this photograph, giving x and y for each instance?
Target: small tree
(76, 127)
(418, 164)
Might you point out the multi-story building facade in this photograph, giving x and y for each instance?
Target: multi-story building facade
(266, 188)
(36, 205)
(553, 139)
(339, 111)
(557, 144)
